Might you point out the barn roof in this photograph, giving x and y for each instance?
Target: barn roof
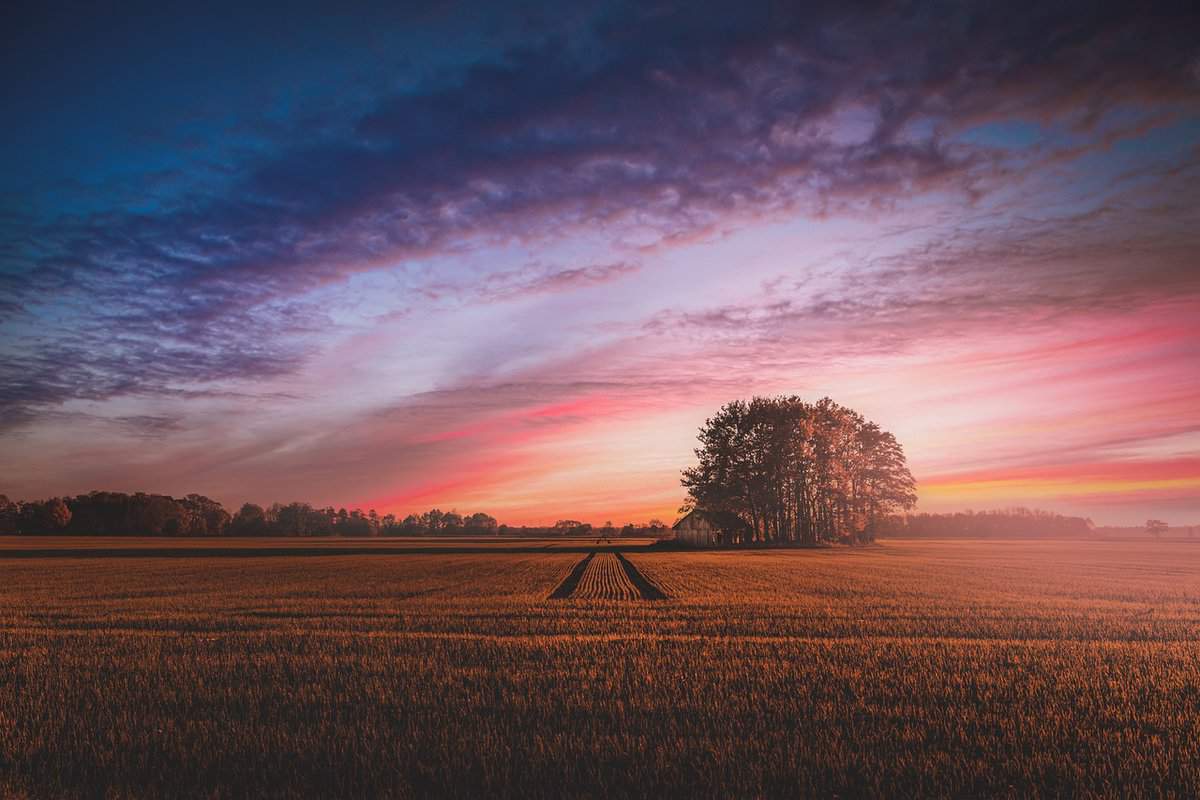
(725, 520)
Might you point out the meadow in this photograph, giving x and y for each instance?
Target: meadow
(932, 668)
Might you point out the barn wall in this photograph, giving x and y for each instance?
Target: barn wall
(699, 532)
(695, 532)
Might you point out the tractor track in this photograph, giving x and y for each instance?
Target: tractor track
(571, 582)
(606, 576)
(646, 587)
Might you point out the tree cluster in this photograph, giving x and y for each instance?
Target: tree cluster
(302, 519)
(573, 527)
(1011, 523)
(796, 471)
(1156, 527)
(141, 514)
(115, 514)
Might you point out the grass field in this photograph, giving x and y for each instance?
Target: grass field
(1019, 669)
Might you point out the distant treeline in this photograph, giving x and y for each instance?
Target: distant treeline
(140, 514)
(1170, 531)
(1012, 523)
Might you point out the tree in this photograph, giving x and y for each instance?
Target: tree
(356, 524)
(481, 523)
(798, 471)
(1156, 527)
(250, 520)
(206, 517)
(431, 520)
(10, 513)
(47, 517)
(56, 514)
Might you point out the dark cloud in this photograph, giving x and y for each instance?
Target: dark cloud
(670, 116)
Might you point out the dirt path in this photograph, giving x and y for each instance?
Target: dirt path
(606, 576)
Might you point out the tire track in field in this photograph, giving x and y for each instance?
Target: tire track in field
(567, 587)
(607, 576)
(645, 586)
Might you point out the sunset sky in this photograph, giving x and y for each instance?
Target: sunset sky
(508, 256)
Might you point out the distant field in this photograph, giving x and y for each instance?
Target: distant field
(938, 668)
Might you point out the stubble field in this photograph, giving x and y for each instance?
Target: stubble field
(135, 669)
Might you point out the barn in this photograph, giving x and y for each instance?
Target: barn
(701, 528)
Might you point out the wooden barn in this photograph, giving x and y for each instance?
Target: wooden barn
(701, 528)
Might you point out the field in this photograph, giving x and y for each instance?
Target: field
(141, 668)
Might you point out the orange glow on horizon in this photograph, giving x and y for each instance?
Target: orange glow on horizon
(1109, 483)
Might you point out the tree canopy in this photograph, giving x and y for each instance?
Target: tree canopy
(796, 471)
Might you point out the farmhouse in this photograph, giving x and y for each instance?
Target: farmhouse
(701, 528)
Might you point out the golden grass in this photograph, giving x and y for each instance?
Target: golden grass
(931, 668)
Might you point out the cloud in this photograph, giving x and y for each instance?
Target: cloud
(666, 118)
(529, 280)
(993, 271)
(1022, 171)
(539, 281)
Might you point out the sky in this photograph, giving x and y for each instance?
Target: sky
(509, 256)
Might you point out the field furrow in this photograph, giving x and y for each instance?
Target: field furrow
(605, 579)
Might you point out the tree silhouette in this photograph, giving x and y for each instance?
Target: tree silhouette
(799, 472)
(481, 523)
(9, 515)
(250, 520)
